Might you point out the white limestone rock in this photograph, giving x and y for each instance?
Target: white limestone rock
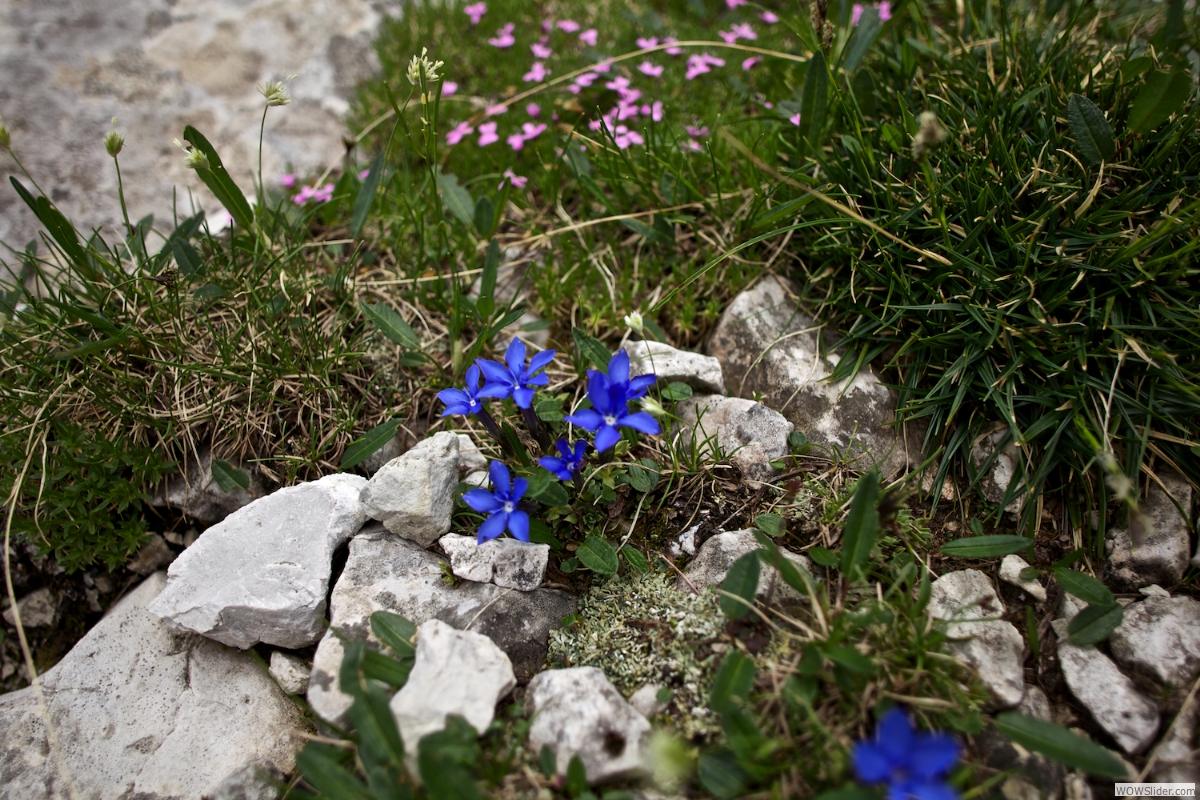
(262, 574)
(1153, 590)
(717, 555)
(504, 562)
(966, 601)
(386, 573)
(1111, 698)
(198, 496)
(577, 712)
(1161, 556)
(455, 672)
(999, 476)
(470, 457)
(769, 348)
(289, 672)
(701, 372)
(645, 700)
(1010, 572)
(1175, 758)
(38, 609)
(748, 433)
(413, 495)
(1160, 637)
(478, 479)
(143, 711)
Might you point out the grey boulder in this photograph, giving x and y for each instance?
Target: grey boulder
(578, 712)
(289, 672)
(1160, 637)
(143, 711)
(748, 433)
(1161, 554)
(413, 495)
(700, 372)
(717, 555)
(504, 562)
(262, 574)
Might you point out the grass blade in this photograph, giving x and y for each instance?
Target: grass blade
(366, 195)
(1060, 744)
(218, 180)
(985, 546)
(361, 449)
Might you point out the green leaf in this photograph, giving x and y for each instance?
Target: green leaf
(814, 100)
(456, 198)
(1093, 135)
(739, 586)
(643, 475)
(366, 197)
(1095, 623)
(592, 349)
(209, 291)
(650, 232)
(569, 565)
(720, 775)
(394, 631)
(864, 36)
(862, 523)
(187, 258)
(799, 692)
(376, 727)
(547, 763)
(1173, 29)
(361, 449)
(823, 556)
(733, 682)
(1163, 95)
(576, 777)
(772, 525)
(1085, 587)
(393, 672)
(985, 546)
(328, 777)
(487, 280)
(219, 182)
(549, 409)
(485, 214)
(58, 226)
(1060, 744)
(228, 476)
(598, 555)
(849, 792)
(635, 558)
(849, 658)
(676, 390)
(442, 759)
(1136, 66)
(553, 494)
(388, 320)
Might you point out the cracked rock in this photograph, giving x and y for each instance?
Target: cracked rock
(1114, 702)
(1010, 572)
(413, 494)
(749, 434)
(455, 672)
(262, 574)
(966, 601)
(289, 672)
(198, 496)
(386, 573)
(1161, 555)
(143, 711)
(717, 555)
(701, 372)
(1160, 637)
(769, 348)
(504, 562)
(38, 609)
(577, 712)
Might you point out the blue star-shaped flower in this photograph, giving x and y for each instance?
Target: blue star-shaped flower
(513, 378)
(463, 401)
(913, 764)
(610, 395)
(500, 505)
(570, 463)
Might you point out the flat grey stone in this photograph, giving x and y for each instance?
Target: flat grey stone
(769, 348)
(577, 712)
(455, 672)
(262, 574)
(289, 672)
(197, 495)
(966, 601)
(386, 573)
(1160, 637)
(413, 494)
(702, 373)
(749, 434)
(1161, 556)
(470, 457)
(1010, 572)
(1175, 759)
(142, 711)
(504, 562)
(717, 555)
(1036, 704)
(38, 609)
(1111, 698)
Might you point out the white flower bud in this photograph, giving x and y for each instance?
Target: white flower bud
(421, 64)
(275, 94)
(634, 322)
(113, 141)
(192, 157)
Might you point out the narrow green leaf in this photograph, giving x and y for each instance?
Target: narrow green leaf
(376, 727)
(187, 258)
(985, 546)
(1085, 587)
(328, 777)
(485, 215)
(598, 555)
(1136, 66)
(823, 556)
(366, 197)
(862, 523)
(1163, 95)
(650, 232)
(849, 658)
(635, 558)
(228, 476)
(814, 100)
(57, 225)
(1095, 623)
(592, 349)
(547, 763)
(1093, 135)
(219, 182)
(394, 631)
(209, 291)
(864, 36)
(456, 198)
(487, 280)
(1060, 744)
(380, 667)
(733, 682)
(388, 320)
(361, 449)
(577, 782)
(720, 774)
(739, 586)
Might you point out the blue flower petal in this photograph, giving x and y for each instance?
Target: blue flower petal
(541, 379)
(870, 762)
(895, 735)
(518, 489)
(453, 396)
(598, 393)
(523, 397)
(492, 527)
(564, 448)
(497, 390)
(580, 450)
(552, 464)
(588, 419)
(501, 481)
(482, 501)
(932, 756)
(606, 437)
(639, 385)
(641, 421)
(494, 372)
(618, 367)
(518, 525)
(540, 360)
(514, 357)
(930, 790)
(472, 376)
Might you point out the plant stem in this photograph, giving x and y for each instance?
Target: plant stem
(535, 427)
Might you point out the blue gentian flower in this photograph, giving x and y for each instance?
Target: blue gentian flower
(463, 401)
(500, 505)
(912, 764)
(571, 462)
(610, 395)
(513, 378)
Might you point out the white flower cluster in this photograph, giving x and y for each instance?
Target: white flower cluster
(421, 64)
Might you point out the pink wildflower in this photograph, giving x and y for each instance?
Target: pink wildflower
(449, 88)
(533, 109)
(743, 31)
(643, 43)
(516, 141)
(623, 137)
(531, 130)
(487, 134)
(322, 195)
(588, 37)
(672, 51)
(492, 111)
(537, 73)
(885, 11)
(735, 3)
(729, 37)
(288, 180)
(656, 111)
(691, 145)
(696, 67)
(362, 176)
(517, 181)
(856, 13)
(602, 68)
(751, 61)
(712, 61)
(541, 50)
(475, 11)
(460, 131)
(568, 25)
(504, 37)
(650, 68)
(768, 17)
(693, 131)
(795, 119)
(587, 79)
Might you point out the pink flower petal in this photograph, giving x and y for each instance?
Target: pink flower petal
(516, 141)
(643, 43)
(744, 31)
(750, 62)
(533, 109)
(504, 37)
(288, 180)
(537, 73)
(651, 69)
(487, 134)
(856, 13)
(588, 37)
(885, 11)
(475, 11)
(491, 111)
(460, 131)
(540, 50)
(672, 51)
(568, 25)
(735, 3)
(795, 119)
(768, 17)
(449, 88)
(692, 130)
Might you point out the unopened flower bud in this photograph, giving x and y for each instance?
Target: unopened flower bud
(192, 157)
(634, 322)
(653, 407)
(113, 141)
(421, 64)
(5, 137)
(275, 94)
